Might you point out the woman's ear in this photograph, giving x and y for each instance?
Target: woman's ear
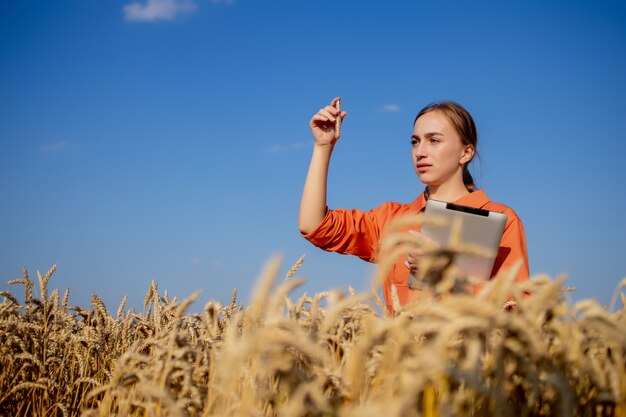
(467, 155)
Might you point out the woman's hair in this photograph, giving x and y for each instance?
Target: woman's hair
(464, 125)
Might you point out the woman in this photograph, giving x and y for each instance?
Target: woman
(443, 143)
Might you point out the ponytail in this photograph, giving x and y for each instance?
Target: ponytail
(468, 180)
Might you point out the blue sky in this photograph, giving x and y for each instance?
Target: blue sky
(168, 140)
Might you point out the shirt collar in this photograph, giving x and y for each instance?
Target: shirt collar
(476, 199)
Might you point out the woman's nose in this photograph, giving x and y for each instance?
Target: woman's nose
(420, 150)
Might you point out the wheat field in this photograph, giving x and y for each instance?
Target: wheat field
(333, 354)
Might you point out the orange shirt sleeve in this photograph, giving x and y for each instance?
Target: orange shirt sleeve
(350, 232)
(512, 248)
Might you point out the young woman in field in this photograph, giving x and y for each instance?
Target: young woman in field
(443, 143)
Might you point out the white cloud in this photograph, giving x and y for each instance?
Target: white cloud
(390, 108)
(53, 147)
(285, 148)
(155, 10)
(196, 261)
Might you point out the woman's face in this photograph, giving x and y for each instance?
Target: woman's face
(437, 150)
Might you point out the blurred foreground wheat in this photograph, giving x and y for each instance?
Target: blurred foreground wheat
(333, 354)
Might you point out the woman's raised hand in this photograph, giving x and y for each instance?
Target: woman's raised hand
(324, 127)
(324, 121)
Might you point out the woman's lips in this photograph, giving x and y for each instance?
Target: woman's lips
(421, 168)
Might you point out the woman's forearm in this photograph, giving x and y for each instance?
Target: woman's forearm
(313, 202)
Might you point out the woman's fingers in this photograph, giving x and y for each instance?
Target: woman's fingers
(412, 260)
(408, 265)
(319, 120)
(328, 113)
(427, 245)
(326, 116)
(331, 112)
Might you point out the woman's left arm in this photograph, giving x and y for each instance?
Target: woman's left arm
(513, 249)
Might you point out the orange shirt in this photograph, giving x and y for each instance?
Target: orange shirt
(354, 232)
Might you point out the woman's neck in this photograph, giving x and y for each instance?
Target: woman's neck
(447, 192)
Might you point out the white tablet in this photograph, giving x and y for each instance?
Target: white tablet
(478, 226)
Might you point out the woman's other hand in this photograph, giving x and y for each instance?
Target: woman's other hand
(413, 258)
